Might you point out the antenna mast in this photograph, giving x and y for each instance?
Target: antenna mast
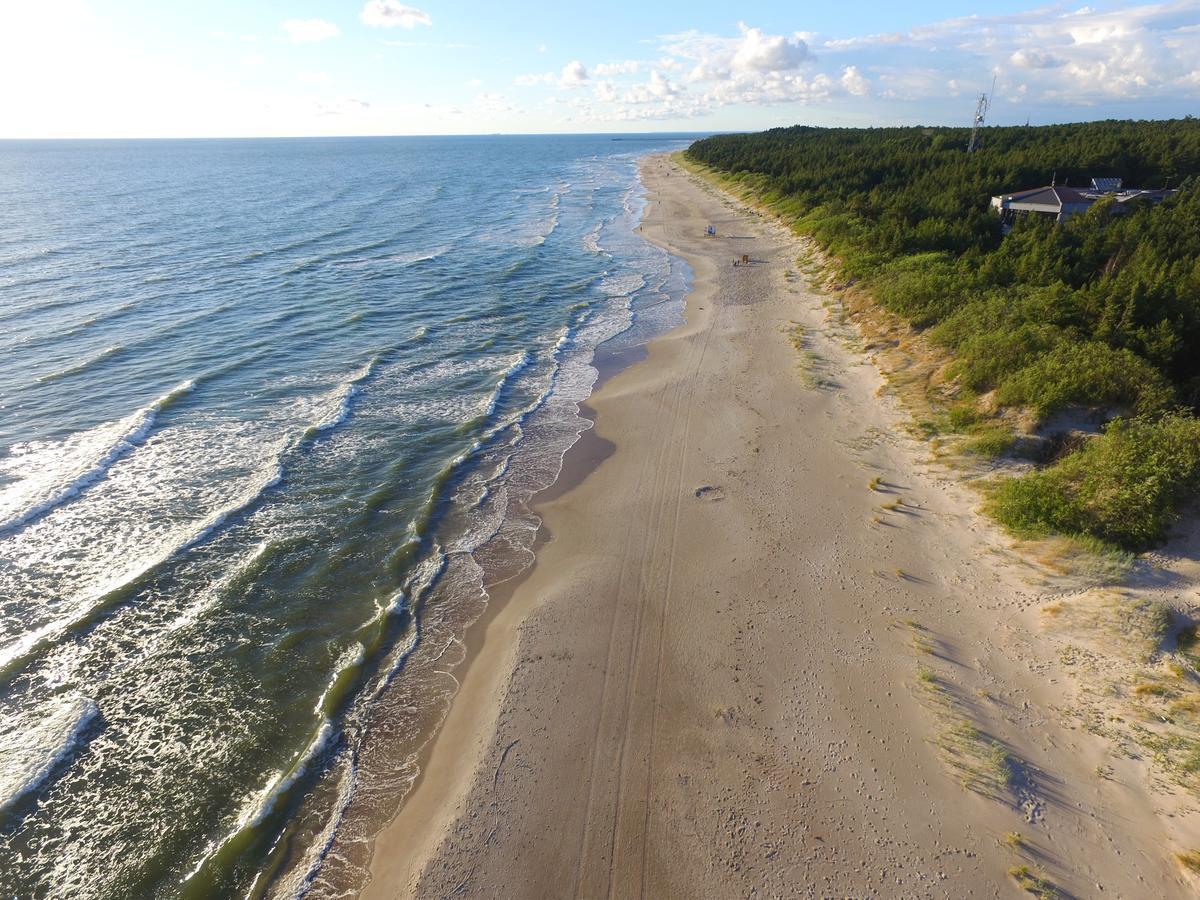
(981, 108)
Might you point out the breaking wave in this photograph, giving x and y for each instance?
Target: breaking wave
(29, 758)
(132, 432)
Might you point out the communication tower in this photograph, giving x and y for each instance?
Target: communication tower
(981, 108)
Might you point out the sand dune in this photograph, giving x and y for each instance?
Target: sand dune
(766, 650)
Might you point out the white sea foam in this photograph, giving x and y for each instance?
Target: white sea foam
(519, 452)
(341, 402)
(622, 284)
(284, 780)
(407, 257)
(591, 240)
(415, 256)
(196, 611)
(150, 501)
(48, 485)
(281, 782)
(520, 363)
(350, 660)
(298, 885)
(82, 609)
(417, 585)
(531, 232)
(32, 752)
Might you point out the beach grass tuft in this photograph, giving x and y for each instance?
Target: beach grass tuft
(1034, 882)
(1189, 861)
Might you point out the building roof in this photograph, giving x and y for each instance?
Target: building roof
(1054, 195)
(1063, 202)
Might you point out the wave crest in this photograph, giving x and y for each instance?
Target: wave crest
(132, 432)
(29, 758)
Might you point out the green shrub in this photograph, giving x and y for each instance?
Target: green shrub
(962, 416)
(921, 296)
(990, 441)
(1122, 487)
(986, 358)
(1087, 374)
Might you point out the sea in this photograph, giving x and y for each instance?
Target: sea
(271, 416)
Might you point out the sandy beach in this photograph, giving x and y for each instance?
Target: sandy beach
(767, 649)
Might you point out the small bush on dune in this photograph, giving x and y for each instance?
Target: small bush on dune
(1086, 374)
(1123, 486)
(989, 441)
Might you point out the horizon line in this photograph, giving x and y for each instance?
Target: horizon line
(643, 134)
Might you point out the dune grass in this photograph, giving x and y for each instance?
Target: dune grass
(1189, 861)
(979, 762)
(1029, 879)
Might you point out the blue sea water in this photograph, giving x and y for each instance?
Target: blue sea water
(270, 415)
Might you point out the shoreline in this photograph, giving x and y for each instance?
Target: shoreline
(706, 684)
(489, 647)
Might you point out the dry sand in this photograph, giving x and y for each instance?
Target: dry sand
(707, 686)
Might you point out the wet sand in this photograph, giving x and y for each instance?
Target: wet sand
(707, 685)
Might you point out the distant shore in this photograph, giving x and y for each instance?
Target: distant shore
(764, 649)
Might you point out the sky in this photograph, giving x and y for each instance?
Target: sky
(228, 68)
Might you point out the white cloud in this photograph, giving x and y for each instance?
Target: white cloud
(1049, 58)
(390, 14)
(626, 67)
(313, 78)
(1142, 58)
(605, 91)
(473, 83)
(772, 88)
(759, 52)
(574, 74)
(306, 31)
(716, 58)
(912, 83)
(854, 83)
(1074, 59)
(492, 104)
(656, 89)
(752, 67)
(1035, 59)
(535, 79)
(660, 87)
(542, 48)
